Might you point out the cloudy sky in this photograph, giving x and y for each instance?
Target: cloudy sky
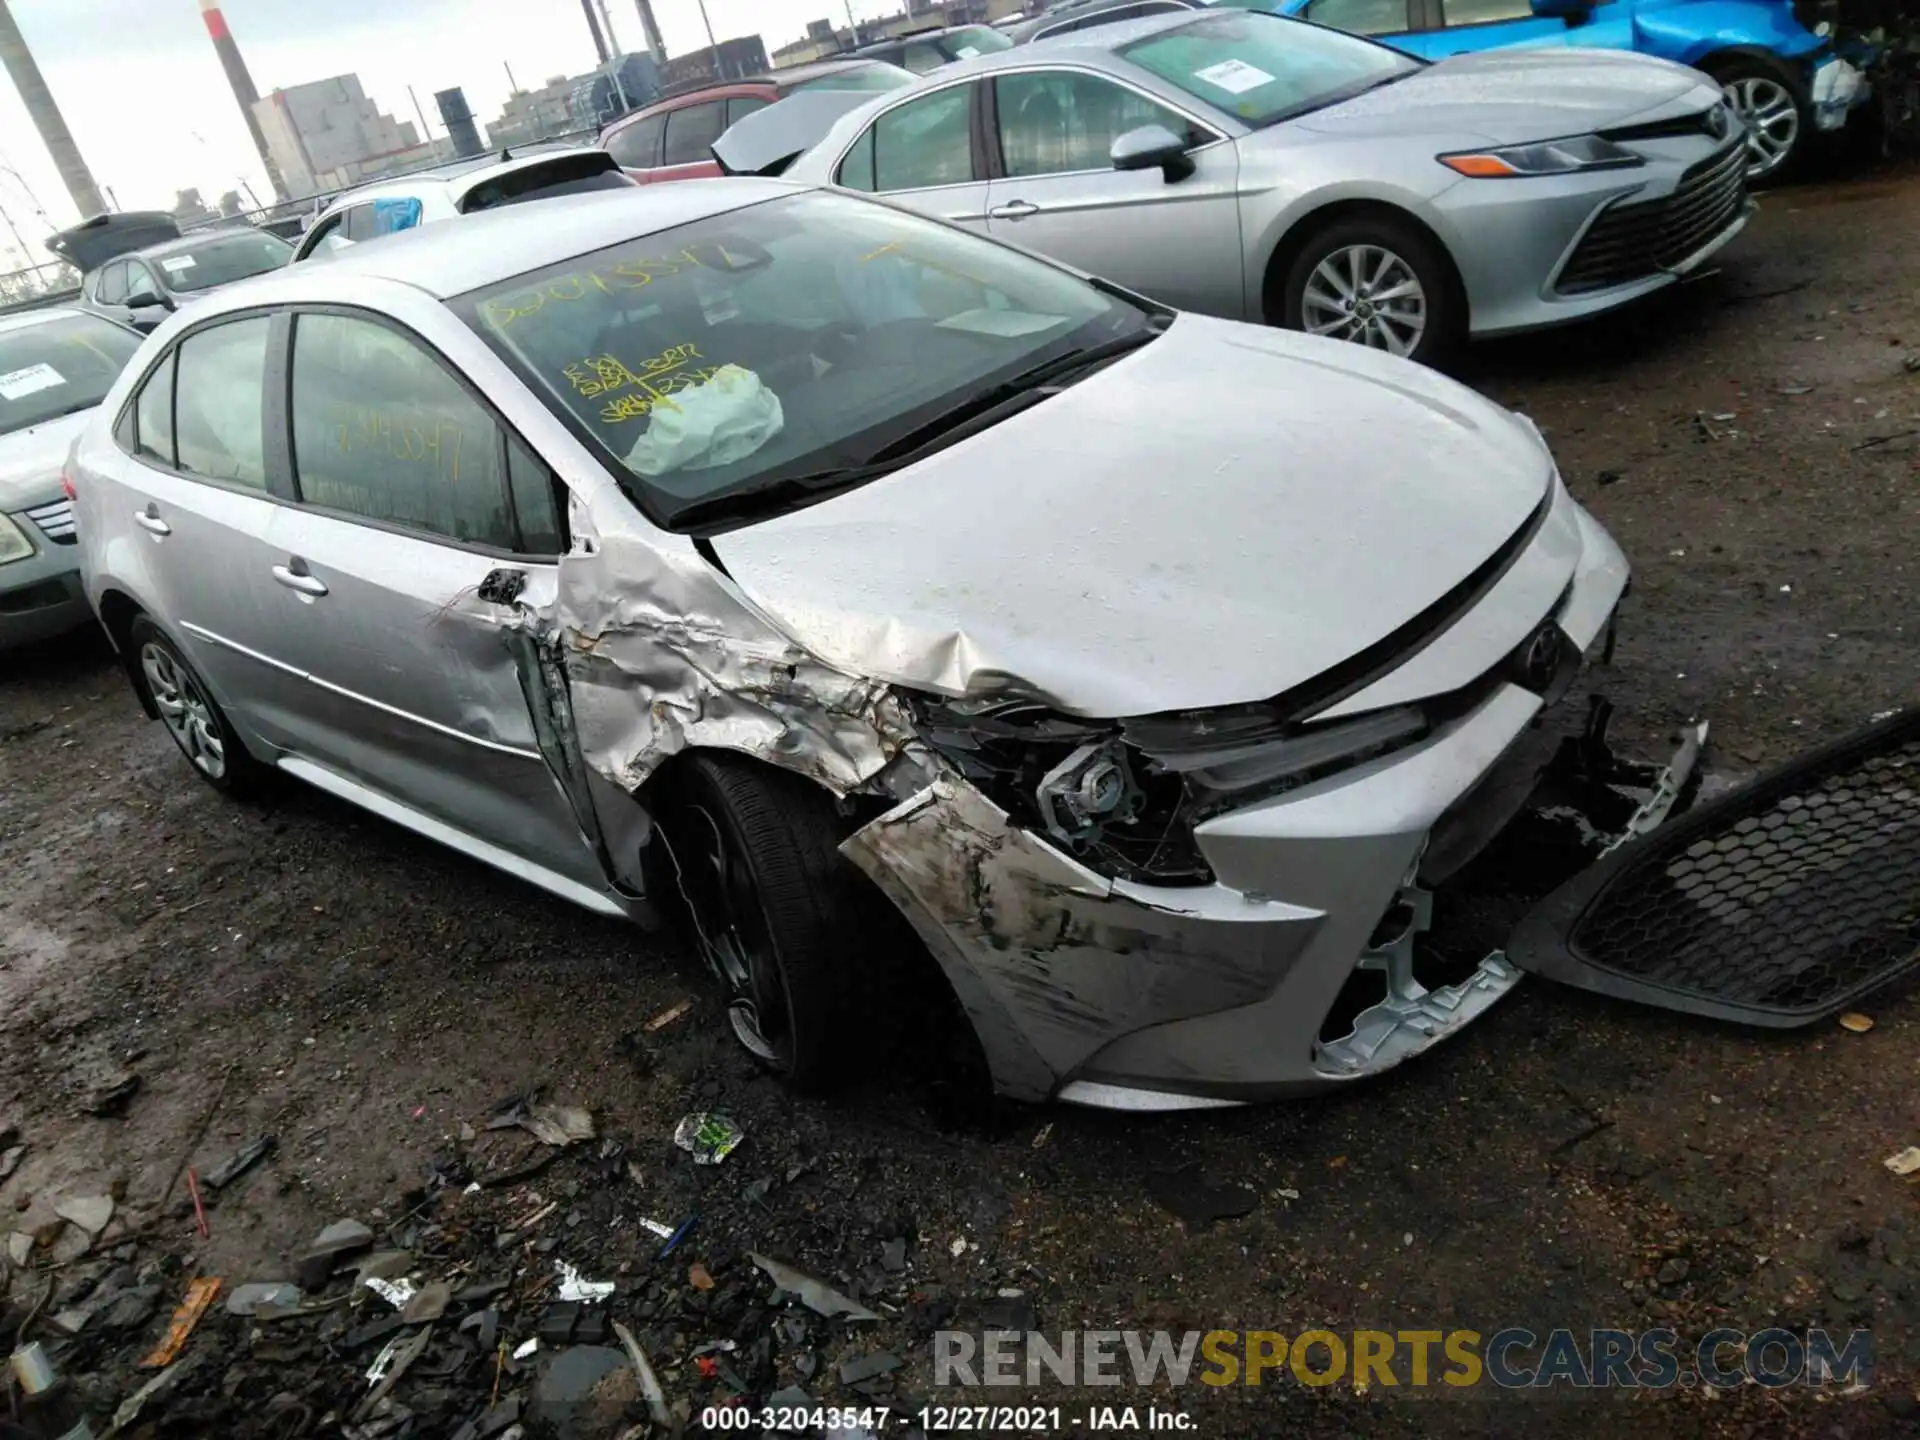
(149, 105)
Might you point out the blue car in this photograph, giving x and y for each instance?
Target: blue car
(1782, 78)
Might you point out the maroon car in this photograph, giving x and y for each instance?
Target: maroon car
(672, 139)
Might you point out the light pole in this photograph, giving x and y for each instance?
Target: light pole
(712, 44)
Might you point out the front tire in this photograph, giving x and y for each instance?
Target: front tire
(1776, 109)
(749, 860)
(192, 717)
(1378, 282)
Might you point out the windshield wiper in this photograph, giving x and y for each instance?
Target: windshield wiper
(977, 412)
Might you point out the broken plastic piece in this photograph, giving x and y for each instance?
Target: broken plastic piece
(241, 1161)
(650, 1389)
(816, 1295)
(395, 1292)
(573, 1287)
(1906, 1162)
(709, 1138)
(1856, 1022)
(131, 1407)
(200, 1293)
(526, 1348)
(667, 1017)
(656, 1227)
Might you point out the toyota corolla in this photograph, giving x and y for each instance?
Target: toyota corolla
(759, 556)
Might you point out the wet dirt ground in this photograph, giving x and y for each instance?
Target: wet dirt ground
(306, 971)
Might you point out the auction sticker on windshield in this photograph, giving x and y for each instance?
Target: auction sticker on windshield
(18, 384)
(176, 264)
(1236, 77)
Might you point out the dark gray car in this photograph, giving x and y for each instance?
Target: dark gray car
(142, 288)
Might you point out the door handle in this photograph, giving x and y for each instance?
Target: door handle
(1013, 210)
(294, 576)
(149, 519)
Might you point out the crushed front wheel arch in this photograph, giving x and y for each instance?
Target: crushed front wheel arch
(1777, 904)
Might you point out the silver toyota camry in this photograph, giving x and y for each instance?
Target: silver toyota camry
(1265, 169)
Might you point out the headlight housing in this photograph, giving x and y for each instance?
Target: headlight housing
(14, 544)
(1568, 156)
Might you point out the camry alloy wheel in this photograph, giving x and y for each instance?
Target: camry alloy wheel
(1773, 122)
(184, 709)
(1366, 294)
(730, 924)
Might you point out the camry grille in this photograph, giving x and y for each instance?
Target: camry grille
(1632, 241)
(55, 521)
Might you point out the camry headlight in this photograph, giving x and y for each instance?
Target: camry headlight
(1546, 157)
(1217, 758)
(14, 544)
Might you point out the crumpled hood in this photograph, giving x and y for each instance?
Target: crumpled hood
(1516, 95)
(1212, 519)
(30, 460)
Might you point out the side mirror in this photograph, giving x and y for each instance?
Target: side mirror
(145, 299)
(1152, 147)
(1574, 12)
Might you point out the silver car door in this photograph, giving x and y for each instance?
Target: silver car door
(196, 498)
(1174, 237)
(924, 154)
(411, 496)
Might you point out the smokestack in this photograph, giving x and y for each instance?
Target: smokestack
(243, 90)
(652, 27)
(599, 41)
(459, 121)
(46, 117)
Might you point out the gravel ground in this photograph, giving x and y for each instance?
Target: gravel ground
(305, 971)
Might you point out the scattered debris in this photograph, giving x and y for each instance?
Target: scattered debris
(1608, 477)
(397, 1293)
(264, 1299)
(402, 1362)
(667, 1017)
(1912, 363)
(428, 1304)
(816, 1295)
(131, 1407)
(1873, 441)
(650, 1390)
(111, 1097)
(1905, 1162)
(199, 1296)
(656, 1227)
(549, 1123)
(329, 1248)
(582, 1393)
(1856, 1022)
(238, 1163)
(199, 1206)
(10, 1158)
(868, 1367)
(1042, 1135)
(1795, 390)
(525, 1349)
(699, 1277)
(573, 1287)
(91, 1213)
(673, 1240)
(708, 1138)
(1197, 1204)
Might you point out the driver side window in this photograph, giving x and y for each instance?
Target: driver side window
(140, 284)
(1361, 17)
(1059, 122)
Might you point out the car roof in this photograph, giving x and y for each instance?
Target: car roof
(1026, 33)
(193, 241)
(27, 319)
(1088, 46)
(494, 245)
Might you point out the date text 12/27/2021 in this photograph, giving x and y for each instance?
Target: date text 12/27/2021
(943, 1419)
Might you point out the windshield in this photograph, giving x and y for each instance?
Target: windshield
(222, 260)
(59, 366)
(975, 40)
(877, 77)
(782, 340)
(1263, 68)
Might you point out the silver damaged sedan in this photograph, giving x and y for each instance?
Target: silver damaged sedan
(1265, 169)
(823, 576)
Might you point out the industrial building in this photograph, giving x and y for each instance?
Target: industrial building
(327, 135)
(824, 38)
(577, 104)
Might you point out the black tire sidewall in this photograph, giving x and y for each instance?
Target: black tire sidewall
(243, 773)
(1446, 319)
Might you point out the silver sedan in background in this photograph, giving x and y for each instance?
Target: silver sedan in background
(1265, 169)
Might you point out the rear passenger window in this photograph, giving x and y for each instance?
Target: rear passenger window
(153, 416)
(112, 287)
(637, 147)
(220, 374)
(1361, 17)
(691, 131)
(741, 106)
(924, 142)
(382, 430)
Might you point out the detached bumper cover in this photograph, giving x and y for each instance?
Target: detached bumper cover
(1776, 905)
(1837, 87)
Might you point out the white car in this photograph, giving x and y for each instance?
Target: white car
(461, 188)
(700, 552)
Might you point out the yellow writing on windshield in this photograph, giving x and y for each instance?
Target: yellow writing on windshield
(620, 275)
(636, 392)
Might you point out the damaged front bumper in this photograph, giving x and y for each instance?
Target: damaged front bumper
(1116, 993)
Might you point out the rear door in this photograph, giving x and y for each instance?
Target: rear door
(195, 497)
(411, 494)
(1055, 190)
(925, 153)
